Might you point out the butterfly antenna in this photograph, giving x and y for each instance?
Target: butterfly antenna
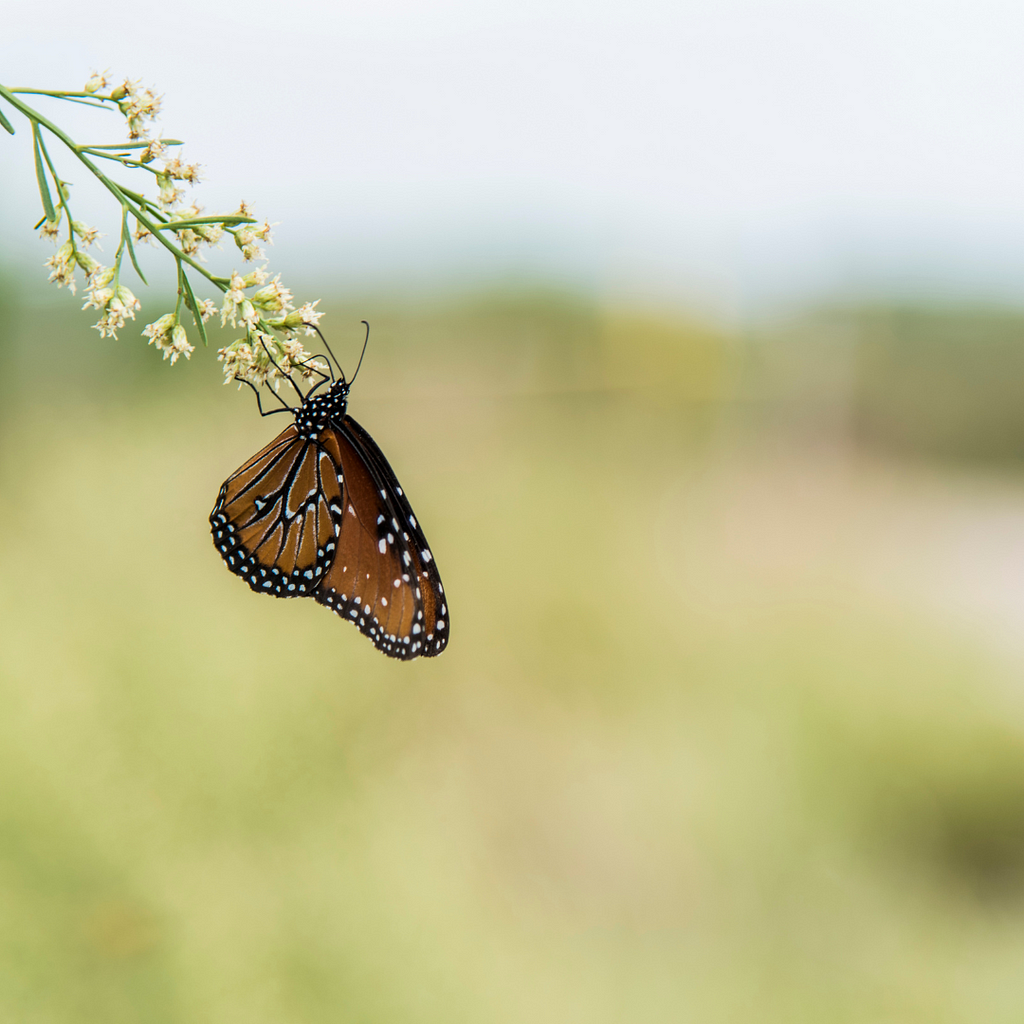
(287, 376)
(328, 347)
(363, 353)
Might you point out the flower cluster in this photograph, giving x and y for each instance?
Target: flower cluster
(261, 357)
(262, 306)
(70, 257)
(169, 337)
(115, 300)
(137, 103)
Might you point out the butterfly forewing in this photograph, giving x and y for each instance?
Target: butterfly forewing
(383, 579)
(275, 518)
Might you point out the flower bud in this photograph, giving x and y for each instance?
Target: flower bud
(247, 312)
(99, 298)
(179, 342)
(161, 326)
(119, 93)
(258, 276)
(103, 278)
(86, 234)
(66, 253)
(96, 82)
(125, 297)
(86, 262)
(268, 298)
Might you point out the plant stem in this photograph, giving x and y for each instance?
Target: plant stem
(122, 196)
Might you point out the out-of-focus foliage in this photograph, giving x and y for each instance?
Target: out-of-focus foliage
(934, 382)
(707, 743)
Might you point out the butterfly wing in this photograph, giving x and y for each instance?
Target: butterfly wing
(275, 521)
(383, 578)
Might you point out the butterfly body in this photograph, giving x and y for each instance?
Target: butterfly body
(319, 513)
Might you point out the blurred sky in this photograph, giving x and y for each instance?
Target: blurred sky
(738, 153)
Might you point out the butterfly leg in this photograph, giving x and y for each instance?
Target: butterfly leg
(259, 403)
(323, 376)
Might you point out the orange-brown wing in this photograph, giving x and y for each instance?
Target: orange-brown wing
(383, 579)
(276, 518)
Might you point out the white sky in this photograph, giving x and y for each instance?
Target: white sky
(739, 152)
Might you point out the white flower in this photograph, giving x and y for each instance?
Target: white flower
(232, 297)
(100, 293)
(138, 104)
(210, 233)
(245, 239)
(118, 304)
(51, 229)
(306, 316)
(248, 314)
(124, 300)
(62, 267)
(169, 194)
(189, 241)
(235, 296)
(256, 276)
(274, 298)
(87, 234)
(169, 337)
(160, 328)
(109, 324)
(179, 345)
(96, 82)
(174, 168)
(153, 151)
(237, 359)
(97, 298)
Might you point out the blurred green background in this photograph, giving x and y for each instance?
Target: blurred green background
(729, 729)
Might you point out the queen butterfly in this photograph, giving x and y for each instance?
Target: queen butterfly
(319, 513)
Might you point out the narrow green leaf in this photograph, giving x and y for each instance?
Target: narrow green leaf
(44, 191)
(190, 301)
(131, 253)
(227, 221)
(127, 145)
(7, 124)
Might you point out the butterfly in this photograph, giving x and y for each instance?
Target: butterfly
(319, 513)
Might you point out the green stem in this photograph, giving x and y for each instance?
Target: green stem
(62, 95)
(123, 161)
(71, 97)
(107, 183)
(181, 294)
(128, 145)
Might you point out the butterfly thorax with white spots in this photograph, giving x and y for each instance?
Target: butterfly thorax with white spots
(315, 413)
